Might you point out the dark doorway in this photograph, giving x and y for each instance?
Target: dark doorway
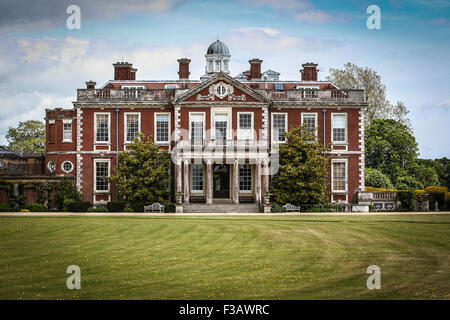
(221, 181)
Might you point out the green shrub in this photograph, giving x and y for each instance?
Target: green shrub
(7, 208)
(98, 209)
(437, 194)
(128, 209)
(116, 206)
(169, 207)
(35, 207)
(447, 200)
(66, 204)
(377, 179)
(406, 199)
(371, 208)
(138, 206)
(78, 206)
(319, 209)
(66, 190)
(276, 208)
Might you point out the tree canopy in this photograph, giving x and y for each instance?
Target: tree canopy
(353, 76)
(392, 149)
(143, 172)
(302, 171)
(29, 136)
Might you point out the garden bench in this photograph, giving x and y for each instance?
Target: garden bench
(291, 207)
(154, 207)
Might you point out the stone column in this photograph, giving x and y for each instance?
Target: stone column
(265, 178)
(236, 182)
(258, 182)
(186, 182)
(178, 173)
(209, 186)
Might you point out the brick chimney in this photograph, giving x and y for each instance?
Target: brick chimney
(309, 71)
(124, 71)
(183, 72)
(90, 85)
(255, 68)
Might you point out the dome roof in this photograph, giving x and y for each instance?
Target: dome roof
(218, 47)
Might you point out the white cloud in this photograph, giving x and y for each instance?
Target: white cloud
(444, 103)
(314, 16)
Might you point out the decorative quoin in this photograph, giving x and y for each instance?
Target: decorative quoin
(222, 131)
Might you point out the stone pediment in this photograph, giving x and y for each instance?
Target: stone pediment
(221, 88)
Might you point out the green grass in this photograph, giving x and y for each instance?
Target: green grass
(235, 257)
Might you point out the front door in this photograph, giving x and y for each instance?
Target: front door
(221, 181)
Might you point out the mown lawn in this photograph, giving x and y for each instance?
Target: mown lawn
(246, 257)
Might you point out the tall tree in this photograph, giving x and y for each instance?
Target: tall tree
(143, 173)
(392, 149)
(302, 169)
(29, 136)
(353, 76)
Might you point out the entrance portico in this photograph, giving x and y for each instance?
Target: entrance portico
(211, 180)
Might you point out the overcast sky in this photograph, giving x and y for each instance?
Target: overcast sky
(42, 62)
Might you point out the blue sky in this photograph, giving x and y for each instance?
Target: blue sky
(43, 62)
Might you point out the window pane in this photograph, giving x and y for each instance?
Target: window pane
(245, 126)
(339, 176)
(132, 126)
(197, 129)
(279, 127)
(101, 174)
(102, 134)
(162, 128)
(197, 177)
(339, 127)
(245, 178)
(67, 131)
(309, 121)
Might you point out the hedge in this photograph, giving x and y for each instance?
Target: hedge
(447, 200)
(406, 199)
(78, 206)
(116, 206)
(6, 208)
(437, 194)
(35, 207)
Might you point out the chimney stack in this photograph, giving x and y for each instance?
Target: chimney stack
(309, 71)
(255, 68)
(90, 85)
(183, 73)
(124, 71)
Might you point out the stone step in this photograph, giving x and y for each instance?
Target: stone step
(221, 208)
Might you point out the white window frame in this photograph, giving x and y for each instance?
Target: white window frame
(168, 128)
(191, 172)
(346, 127)
(252, 125)
(67, 121)
(221, 111)
(345, 161)
(272, 127)
(95, 175)
(95, 127)
(64, 170)
(171, 86)
(251, 179)
(125, 128)
(203, 114)
(316, 115)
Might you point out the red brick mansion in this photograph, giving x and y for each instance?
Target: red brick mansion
(222, 131)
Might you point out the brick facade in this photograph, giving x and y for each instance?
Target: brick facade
(215, 102)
